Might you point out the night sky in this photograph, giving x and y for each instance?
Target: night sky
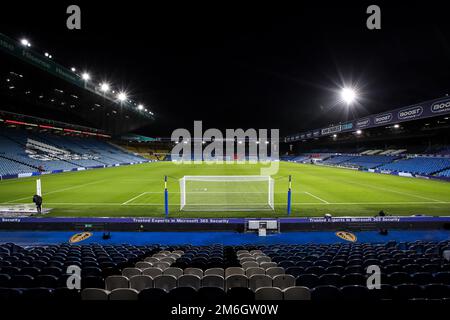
(255, 66)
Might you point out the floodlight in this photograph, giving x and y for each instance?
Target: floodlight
(122, 96)
(348, 95)
(85, 76)
(140, 107)
(104, 87)
(25, 43)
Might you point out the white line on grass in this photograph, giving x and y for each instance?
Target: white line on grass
(277, 203)
(59, 190)
(132, 199)
(308, 193)
(390, 190)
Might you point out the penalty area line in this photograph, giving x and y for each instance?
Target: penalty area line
(316, 197)
(132, 199)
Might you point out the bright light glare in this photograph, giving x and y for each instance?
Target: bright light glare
(85, 76)
(104, 87)
(348, 95)
(122, 96)
(25, 43)
(358, 132)
(140, 107)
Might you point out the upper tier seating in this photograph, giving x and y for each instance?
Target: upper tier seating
(409, 270)
(26, 152)
(419, 165)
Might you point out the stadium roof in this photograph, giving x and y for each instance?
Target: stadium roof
(33, 84)
(419, 111)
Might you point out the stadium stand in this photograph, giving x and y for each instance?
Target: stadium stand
(369, 162)
(445, 173)
(410, 270)
(26, 152)
(419, 165)
(335, 160)
(300, 159)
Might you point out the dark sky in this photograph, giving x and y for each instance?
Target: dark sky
(262, 65)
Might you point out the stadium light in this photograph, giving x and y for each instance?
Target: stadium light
(25, 43)
(85, 76)
(348, 95)
(104, 87)
(122, 96)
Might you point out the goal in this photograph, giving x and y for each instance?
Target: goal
(226, 193)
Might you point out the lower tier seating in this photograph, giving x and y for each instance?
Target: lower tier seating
(412, 270)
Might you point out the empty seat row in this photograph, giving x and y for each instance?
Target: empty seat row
(140, 282)
(205, 294)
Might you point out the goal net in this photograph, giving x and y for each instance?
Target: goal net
(226, 193)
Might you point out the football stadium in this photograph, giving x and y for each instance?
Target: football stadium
(227, 169)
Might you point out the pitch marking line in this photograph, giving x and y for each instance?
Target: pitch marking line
(277, 203)
(59, 190)
(132, 199)
(394, 191)
(316, 197)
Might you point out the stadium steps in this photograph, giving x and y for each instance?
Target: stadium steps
(43, 140)
(16, 161)
(52, 143)
(120, 147)
(440, 171)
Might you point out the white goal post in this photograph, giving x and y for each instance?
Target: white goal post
(226, 193)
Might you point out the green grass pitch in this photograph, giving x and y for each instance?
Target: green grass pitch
(138, 191)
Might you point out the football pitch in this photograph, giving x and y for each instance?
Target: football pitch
(138, 191)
